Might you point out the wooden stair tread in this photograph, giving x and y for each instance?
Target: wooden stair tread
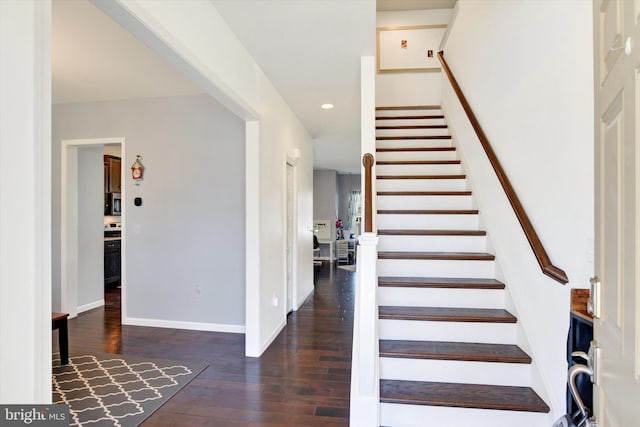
(424, 193)
(417, 162)
(446, 314)
(428, 211)
(407, 107)
(403, 232)
(441, 350)
(440, 282)
(400, 127)
(390, 138)
(478, 396)
(457, 176)
(411, 117)
(455, 256)
(388, 150)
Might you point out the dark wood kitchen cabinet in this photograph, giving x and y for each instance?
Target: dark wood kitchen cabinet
(112, 254)
(112, 174)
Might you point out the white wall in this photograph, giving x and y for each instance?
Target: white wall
(410, 88)
(90, 227)
(195, 38)
(529, 80)
(25, 196)
(185, 245)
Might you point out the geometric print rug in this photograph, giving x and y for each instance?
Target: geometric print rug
(114, 390)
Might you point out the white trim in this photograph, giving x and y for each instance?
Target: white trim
(302, 300)
(25, 202)
(273, 336)
(252, 239)
(177, 324)
(69, 223)
(90, 306)
(291, 162)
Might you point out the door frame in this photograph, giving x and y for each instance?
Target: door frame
(291, 161)
(69, 224)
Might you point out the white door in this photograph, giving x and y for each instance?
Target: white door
(290, 236)
(617, 330)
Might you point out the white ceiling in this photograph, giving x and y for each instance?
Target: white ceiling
(309, 49)
(95, 59)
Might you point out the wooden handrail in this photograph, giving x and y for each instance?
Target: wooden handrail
(367, 162)
(536, 245)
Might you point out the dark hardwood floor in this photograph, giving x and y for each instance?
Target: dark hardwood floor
(303, 379)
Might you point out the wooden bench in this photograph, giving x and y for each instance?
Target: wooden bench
(59, 321)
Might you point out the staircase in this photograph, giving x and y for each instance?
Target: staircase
(447, 345)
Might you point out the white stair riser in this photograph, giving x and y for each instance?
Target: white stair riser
(455, 371)
(413, 330)
(412, 132)
(421, 184)
(424, 202)
(436, 268)
(416, 155)
(417, 112)
(435, 297)
(411, 122)
(400, 415)
(413, 143)
(428, 222)
(432, 243)
(446, 169)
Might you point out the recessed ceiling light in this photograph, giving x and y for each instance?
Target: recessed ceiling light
(326, 106)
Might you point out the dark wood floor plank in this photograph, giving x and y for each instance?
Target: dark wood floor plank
(462, 395)
(440, 282)
(477, 352)
(302, 379)
(445, 314)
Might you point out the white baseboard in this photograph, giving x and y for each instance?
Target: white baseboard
(176, 324)
(303, 299)
(265, 345)
(90, 306)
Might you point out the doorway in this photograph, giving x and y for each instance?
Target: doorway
(82, 236)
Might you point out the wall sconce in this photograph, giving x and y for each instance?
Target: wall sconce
(137, 170)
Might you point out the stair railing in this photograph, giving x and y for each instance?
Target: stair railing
(365, 374)
(534, 241)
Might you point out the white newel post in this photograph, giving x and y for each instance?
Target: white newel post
(365, 376)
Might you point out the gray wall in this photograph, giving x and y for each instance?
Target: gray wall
(325, 197)
(90, 226)
(346, 183)
(184, 249)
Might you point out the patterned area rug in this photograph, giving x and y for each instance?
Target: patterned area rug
(115, 390)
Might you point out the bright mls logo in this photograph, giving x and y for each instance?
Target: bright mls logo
(36, 415)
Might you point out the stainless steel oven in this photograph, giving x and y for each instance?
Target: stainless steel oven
(116, 204)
